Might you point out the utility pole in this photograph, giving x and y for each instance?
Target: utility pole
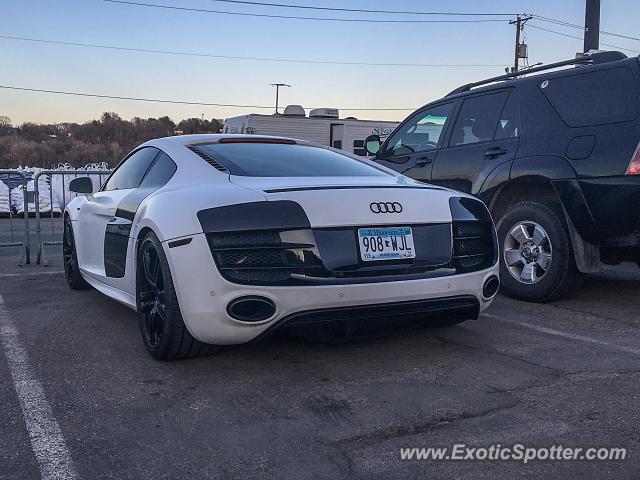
(516, 61)
(278, 85)
(519, 23)
(592, 25)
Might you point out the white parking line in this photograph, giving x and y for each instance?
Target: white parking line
(47, 442)
(558, 333)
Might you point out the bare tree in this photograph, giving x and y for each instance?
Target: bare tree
(106, 139)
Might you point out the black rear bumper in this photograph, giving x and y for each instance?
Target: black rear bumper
(614, 203)
(605, 210)
(382, 315)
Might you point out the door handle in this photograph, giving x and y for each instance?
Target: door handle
(494, 152)
(424, 160)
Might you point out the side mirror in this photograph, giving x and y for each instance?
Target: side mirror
(81, 185)
(372, 144)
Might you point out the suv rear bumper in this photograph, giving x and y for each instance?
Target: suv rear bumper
(605, 210)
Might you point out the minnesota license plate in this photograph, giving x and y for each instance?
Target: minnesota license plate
(386, 243)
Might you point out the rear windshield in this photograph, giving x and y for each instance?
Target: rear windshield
(594, 98)
(281, 160)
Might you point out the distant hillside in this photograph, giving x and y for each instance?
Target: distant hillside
(108, 139)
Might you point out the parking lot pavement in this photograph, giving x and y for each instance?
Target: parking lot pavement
(562, 373)
(13, 231)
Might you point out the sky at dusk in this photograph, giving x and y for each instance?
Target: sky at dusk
(203, 79)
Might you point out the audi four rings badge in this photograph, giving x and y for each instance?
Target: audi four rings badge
(385, 207)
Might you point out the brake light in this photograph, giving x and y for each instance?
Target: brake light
(279, 141)
(634, 165)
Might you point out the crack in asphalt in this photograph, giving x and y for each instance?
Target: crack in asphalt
(625, 371)
(523, 388)
(399, 431)
(565, 378)
(500, 354)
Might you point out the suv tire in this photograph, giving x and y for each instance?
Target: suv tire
(536, 257)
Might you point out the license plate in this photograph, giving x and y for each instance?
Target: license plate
(386, 243)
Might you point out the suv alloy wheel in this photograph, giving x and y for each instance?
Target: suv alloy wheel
(536, 261)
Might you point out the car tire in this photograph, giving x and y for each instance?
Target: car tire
(70, 258)
(164, 334)
(536, 232)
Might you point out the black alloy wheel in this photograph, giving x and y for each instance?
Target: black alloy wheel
(164, 334)
(70, 258)
(151, 296)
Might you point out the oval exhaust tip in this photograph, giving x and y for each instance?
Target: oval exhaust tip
(251, 309)
(491, 287)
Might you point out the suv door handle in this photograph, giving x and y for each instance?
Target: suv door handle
(494, 152)
(423, 160)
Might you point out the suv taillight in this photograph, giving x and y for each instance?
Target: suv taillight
(634, 164)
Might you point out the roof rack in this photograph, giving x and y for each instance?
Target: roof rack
(594, 58)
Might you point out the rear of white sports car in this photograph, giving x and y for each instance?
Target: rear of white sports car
(367, 247)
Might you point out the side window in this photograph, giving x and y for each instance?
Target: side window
(593, 97)
(160, 172)
(420, 133)
(130, 172)
(508, 125)
(478, 119)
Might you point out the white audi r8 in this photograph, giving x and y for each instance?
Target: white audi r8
(216, 240)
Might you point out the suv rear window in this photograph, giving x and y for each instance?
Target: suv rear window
(281, 160)
(593, 98)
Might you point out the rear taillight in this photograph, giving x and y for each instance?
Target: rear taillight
(634, 164)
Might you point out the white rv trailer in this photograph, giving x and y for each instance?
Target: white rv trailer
(323, 126)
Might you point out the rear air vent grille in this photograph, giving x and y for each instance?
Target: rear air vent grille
(473, 246)
(265, 257)
(207, 158)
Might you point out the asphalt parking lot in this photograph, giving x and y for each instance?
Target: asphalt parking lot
(562, 373)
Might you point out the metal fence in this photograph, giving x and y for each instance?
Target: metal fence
(56, 227)
(24, 243)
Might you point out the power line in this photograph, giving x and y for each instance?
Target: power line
(554, 31)
(619, 35)
(233, 57)
(580, 38)
(295, 17)
(581, 27)
(362, 10)
(556, 21)
(180, 102)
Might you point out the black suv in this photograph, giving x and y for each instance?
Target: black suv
(555, 156)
